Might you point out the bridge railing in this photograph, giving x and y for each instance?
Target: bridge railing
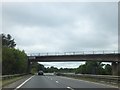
(73, 53)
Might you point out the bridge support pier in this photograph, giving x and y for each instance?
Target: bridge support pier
(118, 68)
(115, 68)
(28, 67)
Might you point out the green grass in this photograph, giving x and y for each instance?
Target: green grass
(11, 80)
(95, 80)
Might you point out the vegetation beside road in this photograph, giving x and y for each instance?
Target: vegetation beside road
(94, 67)
(11, 80)
(14, 61)
(8, 81)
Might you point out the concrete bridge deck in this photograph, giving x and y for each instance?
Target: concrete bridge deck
(75, 56)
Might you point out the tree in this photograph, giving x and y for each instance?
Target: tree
(7, 41)
(94, 67)
(81, 69)
(35, 67)
(91, 67)
(108, 69)
(52, 69)
(41, 67)
(14, 61)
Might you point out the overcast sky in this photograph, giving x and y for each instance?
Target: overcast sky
(61, 27)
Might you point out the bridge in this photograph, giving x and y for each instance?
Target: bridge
(102, 56)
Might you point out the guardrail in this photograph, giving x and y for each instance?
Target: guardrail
(106, 78)
(4, 77)
(74, 53)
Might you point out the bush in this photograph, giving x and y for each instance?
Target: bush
(14, 61)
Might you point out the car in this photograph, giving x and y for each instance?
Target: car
(40, 73)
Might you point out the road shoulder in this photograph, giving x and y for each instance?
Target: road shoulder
(17, 83)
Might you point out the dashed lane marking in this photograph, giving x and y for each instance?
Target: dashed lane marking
(24, 83)
(70, 88)
(57, 82)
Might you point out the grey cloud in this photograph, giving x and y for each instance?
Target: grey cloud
(39, 14)
(62, 26)
(60, 14)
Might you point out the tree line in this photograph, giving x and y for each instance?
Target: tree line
(14, 61)
(90, 67)
(35, 67)
(94, 67)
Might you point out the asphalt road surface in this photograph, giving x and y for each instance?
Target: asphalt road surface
(59, 82)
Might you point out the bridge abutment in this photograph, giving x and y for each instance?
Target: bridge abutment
(119, 68)
(115, 68)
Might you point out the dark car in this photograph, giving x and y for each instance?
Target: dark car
(40, 73)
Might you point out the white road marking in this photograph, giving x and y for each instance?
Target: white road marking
(91, 82)
(57, 82)
(70, 88)
(51, 78)
(23, 83)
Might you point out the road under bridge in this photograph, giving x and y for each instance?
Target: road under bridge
(113, 57)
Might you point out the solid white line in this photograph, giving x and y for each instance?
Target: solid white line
(23, 83)
(70, 88)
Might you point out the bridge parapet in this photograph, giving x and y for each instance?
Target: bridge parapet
(74, 53)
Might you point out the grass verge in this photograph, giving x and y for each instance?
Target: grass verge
(95, 80)
(11, 80)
